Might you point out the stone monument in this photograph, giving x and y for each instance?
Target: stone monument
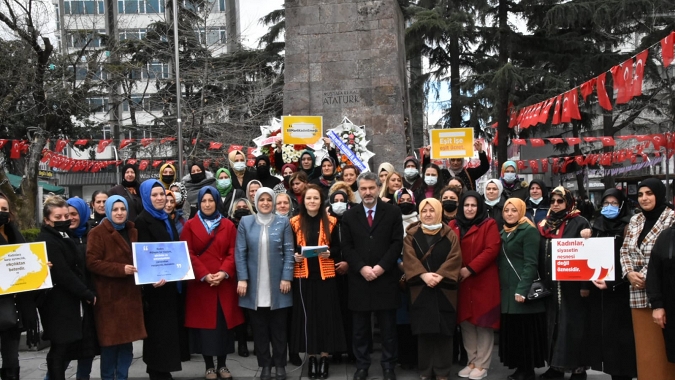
(347, 58)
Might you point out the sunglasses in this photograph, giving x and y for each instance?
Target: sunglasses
(558, 201)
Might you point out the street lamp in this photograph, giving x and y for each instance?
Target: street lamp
(178, 89)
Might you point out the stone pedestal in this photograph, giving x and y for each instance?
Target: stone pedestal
(347, 58)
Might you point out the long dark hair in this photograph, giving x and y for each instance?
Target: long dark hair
(304, 216)
(440, 183)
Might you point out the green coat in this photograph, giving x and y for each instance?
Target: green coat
(522, 246)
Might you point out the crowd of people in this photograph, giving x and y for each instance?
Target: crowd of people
(441, 267)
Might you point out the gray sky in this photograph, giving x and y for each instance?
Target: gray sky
(250, 14)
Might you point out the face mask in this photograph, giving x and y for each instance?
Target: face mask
(197, 177)
(238, 214)
(410, 172)
(281, 213)
(339, 208)
(430, 180)
(168, 178)
(432, 227)
(239, 166)
(610, 212)
(4, 218)
(263, 171)
(287, 178)
(509, 177)
(62, 225)
(406, 208)
(492, 203)
(178, 197)
(449, 206)
(536, 201)
(224, 183)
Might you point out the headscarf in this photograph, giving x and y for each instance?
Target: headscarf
(161, 176)
(414, 161)
(506, 165)
(108, 211)
(519, 204)
(328, 180)
(132, 186)
(170, 193)
(232, 155)
(399, 193)
(83, 211)
(616, 225)
(544, 194)
(263, 171)
(387, 167)
(501, 178)
(290, 203)
(554, 220)
(286, 178)
(183, 192)
(226, 190)
(481, 213)
(248, 186)
(436, 226)
(214, 219)
(500, 188)
(146, 189)
(263, 218)
(659, 189)
(309, 171)
(331, 197)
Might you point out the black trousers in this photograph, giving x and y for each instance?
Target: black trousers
(435, 355)
(269, 326)
(57, 360)
(9, 348)
(363, 337)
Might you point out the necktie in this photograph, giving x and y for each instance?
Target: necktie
(370, 218)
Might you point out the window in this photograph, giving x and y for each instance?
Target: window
(216, 35)
(137, 100)
(98, 104)
(221, 5)
(132, 34)
(83, 7)
(58, 16)
(80, 39)
(140, 6)
(158, 70)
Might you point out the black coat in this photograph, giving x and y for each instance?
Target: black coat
(496, 212)
(232, 196)
(166, 344)
(381, 245)
(248, 177)
(661, 284)
(133, 200)
(60, 310)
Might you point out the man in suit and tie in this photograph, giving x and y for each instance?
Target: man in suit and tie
(372, 240)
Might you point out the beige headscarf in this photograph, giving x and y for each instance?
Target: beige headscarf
(521, 207)
(387, 167)
(438, 208)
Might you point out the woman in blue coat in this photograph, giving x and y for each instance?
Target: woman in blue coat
(264, 260)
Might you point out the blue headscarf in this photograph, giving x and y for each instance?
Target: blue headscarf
(146, 189)
(83, 210)
(108, 211)
(213, 219)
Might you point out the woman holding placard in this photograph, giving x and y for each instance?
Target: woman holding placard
(119, 308)
(643, 230)
(572, 340)
(316, 324)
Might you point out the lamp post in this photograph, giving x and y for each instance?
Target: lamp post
(178, 89)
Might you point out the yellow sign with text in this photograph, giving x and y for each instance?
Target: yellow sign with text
(23, 267)
(301, 129)
(451, 143)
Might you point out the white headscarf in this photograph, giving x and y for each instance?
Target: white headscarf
(499, 185)
(266, 217)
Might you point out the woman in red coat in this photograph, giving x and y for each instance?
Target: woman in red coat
(212, 309)
(478, 310)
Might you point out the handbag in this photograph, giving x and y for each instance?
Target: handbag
(537, 290)
(9, 315)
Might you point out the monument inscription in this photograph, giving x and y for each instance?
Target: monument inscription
(341, 97)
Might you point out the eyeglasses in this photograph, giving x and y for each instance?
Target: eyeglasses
(558, 201)
(605, 204)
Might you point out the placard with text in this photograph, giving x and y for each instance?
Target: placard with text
(169, 261)
(583, 259)
(451, 143)
(23, 267)
(301, 129)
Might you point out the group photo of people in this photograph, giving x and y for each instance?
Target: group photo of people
(424, 268)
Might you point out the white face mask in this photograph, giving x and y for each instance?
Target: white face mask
(536, 201)
(239, 166)
(509, 177)
(410, 172)
(224, 183)
(178, 196)
(339, 208)
(492, 203)
(430, 180)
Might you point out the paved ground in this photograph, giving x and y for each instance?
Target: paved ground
(33, 367)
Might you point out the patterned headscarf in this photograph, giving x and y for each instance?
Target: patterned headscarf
(399, 193)
(552, 227)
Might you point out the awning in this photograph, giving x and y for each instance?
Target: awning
(15, 180)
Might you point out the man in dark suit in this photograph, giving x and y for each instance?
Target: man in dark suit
(372, 239)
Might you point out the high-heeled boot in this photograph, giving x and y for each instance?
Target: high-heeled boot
(312, 368)
(323, 367)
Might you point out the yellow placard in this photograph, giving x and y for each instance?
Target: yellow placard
(23, 267)
(301, 129)
(451, 143)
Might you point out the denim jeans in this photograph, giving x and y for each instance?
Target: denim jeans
(115, 361)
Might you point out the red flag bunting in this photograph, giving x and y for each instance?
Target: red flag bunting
(521, 165)
(640, 62)
(603, 98)
(250, 155)
(519, 141)
(215, 145)
(81, 142)
(556, 110)
(132, 161)
(555, 140)
(16, 150)
(156, 163)
(207, 163)
(535, 166)
(587, 88)
(24, 146)
(573, 140)
(2, 143)
(147, 141)
(60, 145)
(544, 165)
(102, 145)
(623, 81)
(607, 141)
(537, 142)
(250, 162)
(543, 115)
(143, 165)
(167, 139)
(125, 143)
(235, 147)
(556, 168)
(659, 141)
(667, 49)
(590, 139)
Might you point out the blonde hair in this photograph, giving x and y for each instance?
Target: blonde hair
(384, 188)
(342, 185)
(52, 202)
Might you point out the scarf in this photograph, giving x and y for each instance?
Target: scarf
(132, 187)
(146, 189)
(263, 218)
(552, 227)
(327, 180)
(309, 171)
(210, 222)
(520, 206)
(500, 188)
(108, 211)
(615, 226)
(652, 216)
(506, 185)
(435, 227)
(161, 176)
(83, 210)
(224, 191)
(481, 213)
(183, 193)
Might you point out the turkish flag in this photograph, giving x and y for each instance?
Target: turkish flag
(2, 143)
(625, 137)
(573, 140)
(167, 139)
(640, 62)
(125, 143)
(207, 163)
(170, 162)
(215, 145)
(132, 161)
(533, 119)
(607, 141)
(556, 168)
(606, 159)
(147, 141)
(46, 155)
(667, 45)
(81, 142)
(250, 162)
(590, 139)
(543, 115)
(521, 165)
(570, 106)
(235, 147)
(143, 165)
(568, 161)
(537, 142)
(24, 146)
(587, 88)
(623, 81)
(556, 110)
(544, 165)
(102, 145)
(603, 98)
(519, 141)
(555, 140)
(535, 166)
(15, 154)
(156, 163)
(644, 138)
(659, 140)
(60, 145)
(513, 117)
(579, 160)
(249, 154)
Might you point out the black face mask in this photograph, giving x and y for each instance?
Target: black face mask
(62, 225)
(449, 206)
(4, 218)
(263, 171)
(126, 183)
(287, 179)
(238, 214)
(197, 177)
(407, 208)
(168, 178)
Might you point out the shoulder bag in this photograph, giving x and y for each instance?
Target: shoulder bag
(9, 315)
(537, 290)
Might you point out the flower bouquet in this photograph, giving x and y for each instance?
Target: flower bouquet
(266, 144)
(354, 138)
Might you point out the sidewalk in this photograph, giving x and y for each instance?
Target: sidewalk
(34, 367)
